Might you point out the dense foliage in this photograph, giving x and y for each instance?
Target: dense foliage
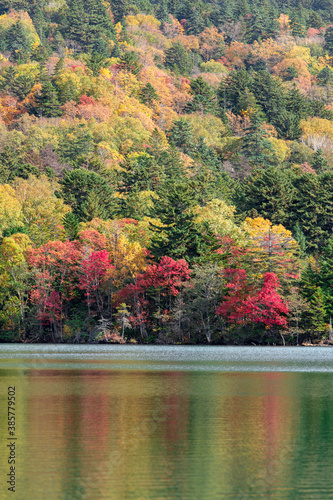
(166, 171)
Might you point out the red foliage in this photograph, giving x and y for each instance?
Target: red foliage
(91, 239)
(245, 305)
(93, 270)
(85, 100)
(168, 275)
(125, 221)
(55, 265)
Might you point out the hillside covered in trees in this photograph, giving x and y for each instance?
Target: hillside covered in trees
(166, 171)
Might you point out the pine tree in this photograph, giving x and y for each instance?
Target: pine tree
(148, 94)
(204, 99)
(71, 224)
(89, 194)
(268, 193)
(319, 162)
(18, 42)
(162, 11)
(195, 23)
(177, 59)
(181, 136)
(329, 40)
(180, 237)
(46, 101)
(318, 314)
(255, 146)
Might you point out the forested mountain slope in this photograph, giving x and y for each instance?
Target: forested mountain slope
(166, 171)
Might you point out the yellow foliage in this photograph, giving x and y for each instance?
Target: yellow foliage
(214, 67)
(210, 127)
(42, 210)
(317, 133)
(10, 208)
(259, 228)
(142, 21)
(280, 147)
(13, 249)
(190, 42)
(219, 217)
(270, 51)
(284, 23)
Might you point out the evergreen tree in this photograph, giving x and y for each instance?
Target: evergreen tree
(18, 42)
(234, 92)
(318, 315)
(255, 146)
(329, 40)
(71, 224)
(325, 76)
(259, 25)
(269, 94)
(204, 99)
(287, 125)
(129, 61)
(89, 194)
(180, 237)
(46, 101)
(319, 162)
(148, 95)
(268, 193)
(313, 208)
(120, 9)
(162, 11)
(177, 59)
(87, 22)
(195, 23)
(181, 136)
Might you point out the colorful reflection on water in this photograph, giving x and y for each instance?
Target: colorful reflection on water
(154, 435)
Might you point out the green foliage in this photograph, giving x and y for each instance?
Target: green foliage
(177, 59)
(89, 195)
(203, 97)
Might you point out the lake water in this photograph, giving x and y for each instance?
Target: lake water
(179, 422)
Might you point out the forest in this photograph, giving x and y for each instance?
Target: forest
(166, 171)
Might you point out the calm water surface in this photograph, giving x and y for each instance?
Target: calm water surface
(157, 423)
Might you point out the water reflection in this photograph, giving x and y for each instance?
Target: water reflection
(150, 435)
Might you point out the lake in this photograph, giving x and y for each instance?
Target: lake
(168, 422)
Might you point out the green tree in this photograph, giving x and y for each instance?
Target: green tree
(329, 40)
(268, 193)
(180, 237)
(18, 42)
(319, 162)
(89, 194)
(203, 97)
(148, 95)
(177, 59)
(194, 22)
(255, 146)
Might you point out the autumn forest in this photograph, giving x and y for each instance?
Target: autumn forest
(166, 171)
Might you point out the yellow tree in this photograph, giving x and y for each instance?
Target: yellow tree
(42, 211)
(14, 284)
(10, 208)
(270, 248)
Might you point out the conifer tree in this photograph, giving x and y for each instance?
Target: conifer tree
(46, 101)
(18, 42)
(319, 162)
(268, 193)
(179, 237)
(329, 40)
(177, 59)
(195, 23)
(204, 99)
(255, 146)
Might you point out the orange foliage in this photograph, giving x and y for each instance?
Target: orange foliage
(236, 53)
